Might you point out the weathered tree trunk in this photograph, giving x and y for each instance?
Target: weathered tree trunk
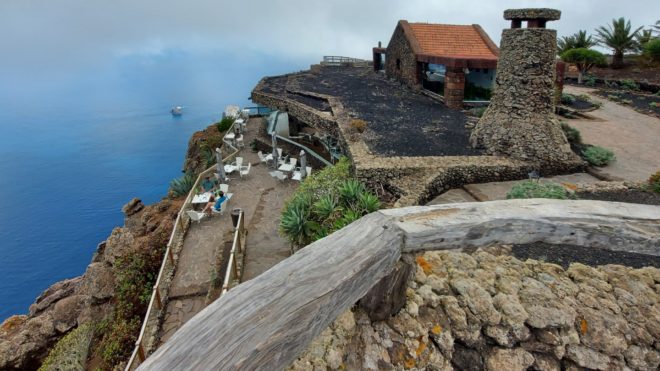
(617, 59)
(580, 74)
(266, 322)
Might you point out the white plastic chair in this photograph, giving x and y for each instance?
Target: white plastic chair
(224, 188)
(297, 175)
(278, 175)
(245, 170)
(239, 142)
(195, 215)
(293, 161)
(262, 157)
(239, 161)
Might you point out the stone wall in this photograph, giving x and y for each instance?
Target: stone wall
(399, 49)
(520, 119)
(491, 311)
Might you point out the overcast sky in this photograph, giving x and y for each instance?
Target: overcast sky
(58, 33)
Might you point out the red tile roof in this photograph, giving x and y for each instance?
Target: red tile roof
(454, 41)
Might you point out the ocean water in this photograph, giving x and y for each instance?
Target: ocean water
(75, 148)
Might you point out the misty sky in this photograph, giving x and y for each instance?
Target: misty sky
(50, 35)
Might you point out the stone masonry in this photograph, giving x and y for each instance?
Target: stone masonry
(520, 119)
(491, 311)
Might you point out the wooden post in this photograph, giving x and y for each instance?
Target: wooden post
(157, 300)
(170, 257)
(140, 353)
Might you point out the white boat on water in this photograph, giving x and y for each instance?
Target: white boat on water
(176, 111)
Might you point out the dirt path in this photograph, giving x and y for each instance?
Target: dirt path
(634, 137)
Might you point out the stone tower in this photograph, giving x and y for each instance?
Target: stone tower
(520, 119)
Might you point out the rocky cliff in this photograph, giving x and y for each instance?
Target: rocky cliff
(491, 311)
(26, 339)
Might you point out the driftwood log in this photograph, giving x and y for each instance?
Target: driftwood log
(266, 322)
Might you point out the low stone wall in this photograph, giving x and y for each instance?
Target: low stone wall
(491, 311)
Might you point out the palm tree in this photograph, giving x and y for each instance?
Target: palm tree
(574, 41)
(642, 38)
(619, 37)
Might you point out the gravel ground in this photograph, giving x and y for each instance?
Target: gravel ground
(400, 121)
(564, 255)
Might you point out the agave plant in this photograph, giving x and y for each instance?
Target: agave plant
(208, 157)
(182, 185)
(368, 203)
(297, 225)
(327, 207)
(350, 192)
(618, 36)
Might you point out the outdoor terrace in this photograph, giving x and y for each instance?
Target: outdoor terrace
(400, 121)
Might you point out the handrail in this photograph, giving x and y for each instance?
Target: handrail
(326, 162)
(232, 269)
(156, 299)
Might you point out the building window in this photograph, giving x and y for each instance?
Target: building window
(398, 64)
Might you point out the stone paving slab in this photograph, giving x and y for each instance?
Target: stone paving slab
(633, 137)
(498, 190)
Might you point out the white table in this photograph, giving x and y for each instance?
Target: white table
(230, 168)
(286, 167)
(202, 198)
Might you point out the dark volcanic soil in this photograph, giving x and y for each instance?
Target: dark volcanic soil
(638, 101)
(400, 121)
(631, 196)
(564, 255)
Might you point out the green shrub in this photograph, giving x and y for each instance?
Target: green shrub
(598, 156)
(326, 201)
(654, 182)
(531, 189)
(627, 101)
(70, 352)
(567, 98)
(653, 105)
(629, 84)
(182, 185)
(584, 59)
(572, 134)
(135, 275)
(224, 124)
(590, 80)
(652, 49)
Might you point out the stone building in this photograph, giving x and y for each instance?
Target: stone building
(456, 61)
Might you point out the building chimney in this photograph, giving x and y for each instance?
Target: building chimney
(520, 120)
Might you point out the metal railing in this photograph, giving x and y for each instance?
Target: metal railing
(307, 149)
(336, 60)
(258, 111)
(158, 301)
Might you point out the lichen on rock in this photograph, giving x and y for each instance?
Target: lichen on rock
(491, 311)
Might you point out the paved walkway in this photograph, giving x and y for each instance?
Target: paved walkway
(205, 249)
(498, 190)
(633, 137)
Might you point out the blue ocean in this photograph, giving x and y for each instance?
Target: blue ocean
(76, 147)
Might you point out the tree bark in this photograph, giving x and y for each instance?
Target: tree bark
(617, 59)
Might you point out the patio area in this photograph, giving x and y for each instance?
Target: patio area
(203, 258)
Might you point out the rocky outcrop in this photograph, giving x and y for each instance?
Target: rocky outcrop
(491, 311)
(200, 146)
(26, 339)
